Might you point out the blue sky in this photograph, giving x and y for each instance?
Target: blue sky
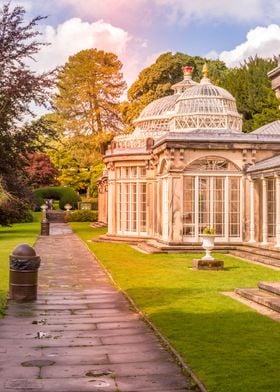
(139, 30)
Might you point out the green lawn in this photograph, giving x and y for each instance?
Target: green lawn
(10, 237)
(229, 346)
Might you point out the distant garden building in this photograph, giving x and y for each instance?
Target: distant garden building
(188, 165)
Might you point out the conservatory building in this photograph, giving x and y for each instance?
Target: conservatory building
(187, 166)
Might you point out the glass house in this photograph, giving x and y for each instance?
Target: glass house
(188, 165)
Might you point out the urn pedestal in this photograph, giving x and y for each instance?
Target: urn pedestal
(208, 262)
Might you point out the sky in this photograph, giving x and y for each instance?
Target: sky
(138, 31)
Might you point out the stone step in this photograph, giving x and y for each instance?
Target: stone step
(98, 224)
(147, 248)
(272, 287)
(261, 297)
(251, 255)
(187, 247)
(268, 252)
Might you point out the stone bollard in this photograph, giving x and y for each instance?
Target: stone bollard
(24, 265)
(45, 227)
(45, 224)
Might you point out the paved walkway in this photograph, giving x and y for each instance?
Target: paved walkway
(80, 335)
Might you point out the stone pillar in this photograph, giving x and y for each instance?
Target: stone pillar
(252, 211)
(165, 209)
(196, 209)
(110, 208)
(264, 212)
(175, 208)
(277, 220)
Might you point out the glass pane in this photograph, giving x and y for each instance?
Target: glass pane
(271, 207)
(234, 207)
(189, 207)
(204, 203)
(127, 207)
(142, 201)
(119, 207)
(219, 205)
(133, 172)
(142, 171)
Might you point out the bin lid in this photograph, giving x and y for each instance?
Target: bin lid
(24, 250)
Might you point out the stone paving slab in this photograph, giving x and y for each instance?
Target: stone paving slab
(81, 334)
(134, 369)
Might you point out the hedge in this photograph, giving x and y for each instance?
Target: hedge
(82, 216)
(63, 194)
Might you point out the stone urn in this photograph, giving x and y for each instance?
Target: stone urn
(208, 245)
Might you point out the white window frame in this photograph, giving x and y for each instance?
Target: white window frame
(226, 175)
(122, 214)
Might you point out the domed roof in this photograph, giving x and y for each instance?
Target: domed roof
(159, 107)
(186, 83)
(206, 106)
(272, 128)
(157, 113)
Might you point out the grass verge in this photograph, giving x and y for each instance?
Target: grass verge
(229, 346)
(10, 237)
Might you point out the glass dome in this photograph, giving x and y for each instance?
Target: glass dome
(272, 128)
(206, 106)
(202, 108)
(159, 107)
(157, 114)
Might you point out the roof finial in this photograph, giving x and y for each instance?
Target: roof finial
(205, 70)
(187, 70)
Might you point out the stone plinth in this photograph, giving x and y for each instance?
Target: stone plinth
(214, 265)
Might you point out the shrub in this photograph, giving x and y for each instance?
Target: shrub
(15, 211)
(82, 216)
(63, 194)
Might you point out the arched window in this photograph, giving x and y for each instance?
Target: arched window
(212, 163)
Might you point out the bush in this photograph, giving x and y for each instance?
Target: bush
(63, 194)
(15, 211)
(82, 216)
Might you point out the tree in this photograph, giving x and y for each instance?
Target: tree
(19, 88)
(155, 81)
(76, 159)
(90, 86)
(251, 87)
(87, 114)
(40, 170)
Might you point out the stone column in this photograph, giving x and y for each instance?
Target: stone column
(175, 208)
(110, 207)
(252, 211)
(165, 208)
(111, 200)
(264, 212)
(277, 220)
(196, 217)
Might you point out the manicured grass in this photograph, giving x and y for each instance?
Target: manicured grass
(10, 237)
(229, 346)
